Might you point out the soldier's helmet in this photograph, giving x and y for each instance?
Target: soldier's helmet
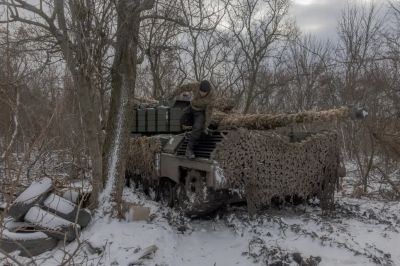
(205, 86)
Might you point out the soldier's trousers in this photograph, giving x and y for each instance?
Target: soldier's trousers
(196, 119)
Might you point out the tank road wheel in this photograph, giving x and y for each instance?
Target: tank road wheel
(167, 192)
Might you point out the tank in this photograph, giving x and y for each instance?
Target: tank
(258, 159)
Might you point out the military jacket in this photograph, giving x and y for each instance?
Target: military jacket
(198, 102)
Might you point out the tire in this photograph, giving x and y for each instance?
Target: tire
(166, 192)
(215, 200)
(67, 210)
(16, 237)
(31, 196)
(52, 224)
(71, 195)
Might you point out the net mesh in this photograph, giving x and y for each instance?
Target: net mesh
(266, 165)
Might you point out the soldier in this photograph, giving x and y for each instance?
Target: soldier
(198, 114)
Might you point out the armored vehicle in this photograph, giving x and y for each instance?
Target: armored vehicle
(245, 158)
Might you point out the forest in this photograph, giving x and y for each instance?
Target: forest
(72, 73)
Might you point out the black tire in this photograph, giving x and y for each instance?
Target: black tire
(72, 195)
(166, 192)
(215, 201)
(146, 186)
(45, 221)
(16, 236)
(67, 210)
(34, 194)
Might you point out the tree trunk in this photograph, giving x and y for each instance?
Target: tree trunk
(155, 72)
(92, 133)
(250, 93)
(91, 122)
(121, 109)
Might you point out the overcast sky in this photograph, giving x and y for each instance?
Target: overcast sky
(319, 17)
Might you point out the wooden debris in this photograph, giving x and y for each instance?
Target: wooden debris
(144, 254)
(135, 212)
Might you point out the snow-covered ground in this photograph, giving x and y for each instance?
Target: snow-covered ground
(360, 232)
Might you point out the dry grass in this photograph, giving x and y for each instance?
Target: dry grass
(270, 121)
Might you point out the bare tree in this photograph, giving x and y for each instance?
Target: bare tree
(392, 37)
(258, 26)
(80, 31)
(159, 44)
(307, 61)
(201, 45)
(357, 55)
(359, 33)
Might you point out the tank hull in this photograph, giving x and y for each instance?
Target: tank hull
(256, 166)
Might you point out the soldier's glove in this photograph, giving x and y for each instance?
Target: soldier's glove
(358, 113)
(207, 131)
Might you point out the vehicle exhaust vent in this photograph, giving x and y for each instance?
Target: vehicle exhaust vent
(205, 147)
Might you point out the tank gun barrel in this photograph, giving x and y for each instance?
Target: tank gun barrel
(271, 121)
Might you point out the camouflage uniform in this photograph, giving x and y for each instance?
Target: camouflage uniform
(198, 114)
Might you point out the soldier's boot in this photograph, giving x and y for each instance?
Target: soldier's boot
(189, 153)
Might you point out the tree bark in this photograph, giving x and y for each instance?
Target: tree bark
(122, 98)
(91, 122)
(76, 63)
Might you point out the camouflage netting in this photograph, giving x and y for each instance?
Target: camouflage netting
(266, 165)
(271, 121)
(142, 156)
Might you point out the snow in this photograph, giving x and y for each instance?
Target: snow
(46, 219)
(35, 190)
(352, 236)
(71, 195)
(60, 204)
(219, 175)
(105, 196)
(360, 232)
(83, 186)
(10, 224)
